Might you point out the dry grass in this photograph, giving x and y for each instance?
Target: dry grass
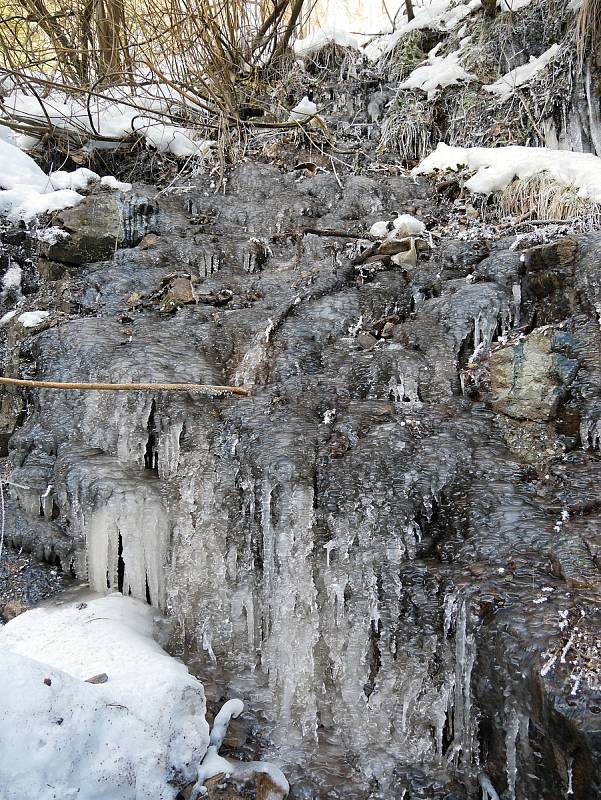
(588, 30)
(545, 199)
(409, 128)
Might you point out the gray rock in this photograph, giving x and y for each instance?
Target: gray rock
(529, 380)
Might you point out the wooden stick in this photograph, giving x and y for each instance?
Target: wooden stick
(128, 387)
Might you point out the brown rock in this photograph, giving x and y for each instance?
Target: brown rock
(101, 678)
(13, 608)
(266, 789)
(150, 240)
(366, 341)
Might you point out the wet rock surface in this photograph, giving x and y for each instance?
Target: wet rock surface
(25, 581)
(390, 550)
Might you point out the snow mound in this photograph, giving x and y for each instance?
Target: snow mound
(379, 229)
(322, 37)
(408, 225)
(112, 118)
(437, 73)
(121, 739)
(519, 76)
(26, 191)
(495, 168)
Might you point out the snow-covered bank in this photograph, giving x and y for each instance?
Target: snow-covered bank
(117, 117)
(26, 190)
(496, 167)
(123, 738)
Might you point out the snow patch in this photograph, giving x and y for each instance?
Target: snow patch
(303, 111)
(442, 15)
(123, 739)
(31, 319)
(519, 76)
(79, 179)
(408, 225)
(379, 229)
(437, 73)
(51, 235)
(11, 280)
(495, 168)
(110, 182)
(25, 190)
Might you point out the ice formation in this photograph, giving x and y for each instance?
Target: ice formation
(213, 764)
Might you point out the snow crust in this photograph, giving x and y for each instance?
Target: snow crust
(441, 15)
(495, 168)
(519, 76)
(437, 73)
(123, 739)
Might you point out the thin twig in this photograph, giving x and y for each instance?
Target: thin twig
(127, 387)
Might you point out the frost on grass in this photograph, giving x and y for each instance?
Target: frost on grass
(124, 739)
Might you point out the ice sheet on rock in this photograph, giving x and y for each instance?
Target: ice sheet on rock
(124, 739)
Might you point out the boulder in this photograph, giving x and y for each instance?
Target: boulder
(95, 231)
(528, 380)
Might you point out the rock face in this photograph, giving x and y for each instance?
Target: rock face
(354, 548)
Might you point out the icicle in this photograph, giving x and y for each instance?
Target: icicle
(488, 790)
(570, 791)
(511, 737)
